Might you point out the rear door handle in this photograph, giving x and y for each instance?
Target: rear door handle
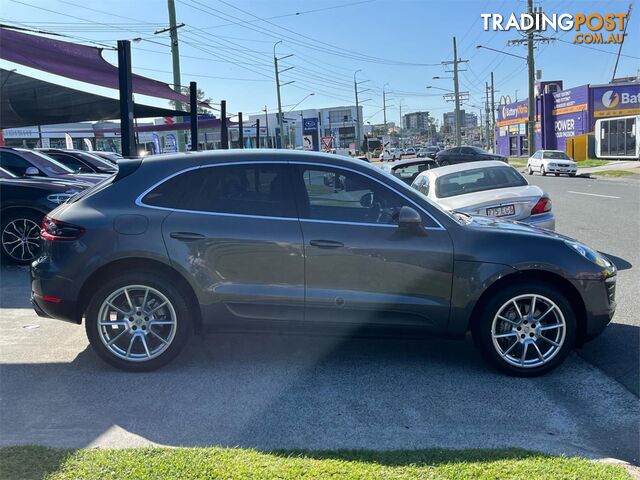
(186, 236)
(326, 244)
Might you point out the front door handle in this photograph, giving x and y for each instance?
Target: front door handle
(186, 236)
(326, 244)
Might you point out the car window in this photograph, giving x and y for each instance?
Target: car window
(14, 163)
(556, 155)
(478, 179)
(4, 174)
(45, 163)
(249, 189)
(421, 184)
(69, 161)
(97, 162)
(467, 150)
(345, 196)
(453, 150)
(411, 171)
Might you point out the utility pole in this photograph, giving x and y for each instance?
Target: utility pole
(278, 85)
(384, 109)
(493, 115)
(624, 34)
(224, 133)
(400, 128)
(175, 57)
(358, 119)
(266, 124)
(487, 112)
(257, 133)
(240, 130)
(457, 94)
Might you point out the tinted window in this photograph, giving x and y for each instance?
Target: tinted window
(45, 163)
(344, 196)
(14, 163)
(422, 184)
(556, 155)
(252, 189)
(477, 180)
(411, 171)
(69, 161)
(468, 150)
(6, 174)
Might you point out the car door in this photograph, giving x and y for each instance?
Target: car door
(360, 267)
(236, 233)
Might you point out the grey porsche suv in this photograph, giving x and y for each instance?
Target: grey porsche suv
(268, 238)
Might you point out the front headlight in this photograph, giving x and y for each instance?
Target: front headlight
(59, 198)
(552, 164)
(589, 253)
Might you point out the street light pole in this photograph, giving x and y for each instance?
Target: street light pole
(355, 86)
(456, 92)
(531, 120)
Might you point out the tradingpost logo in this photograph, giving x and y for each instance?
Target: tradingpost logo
(590, 28)
(610, 99)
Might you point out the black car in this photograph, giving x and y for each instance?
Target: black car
(80, 161)
(22, 162)
(112, 157)
(455, 155)
(408, 170)
(23, 204)
(175, 243)
(429, 152)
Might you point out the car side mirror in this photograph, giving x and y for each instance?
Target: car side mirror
(366, 200)
(31, 171)
(409, 219)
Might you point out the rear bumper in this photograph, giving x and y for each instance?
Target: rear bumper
(543, 220)
(53, 295)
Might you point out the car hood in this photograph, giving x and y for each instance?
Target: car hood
(510, 226)
(472, 201)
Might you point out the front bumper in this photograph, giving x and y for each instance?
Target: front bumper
(562, 169)
(600, 304)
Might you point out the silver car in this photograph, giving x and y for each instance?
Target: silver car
(491, 189)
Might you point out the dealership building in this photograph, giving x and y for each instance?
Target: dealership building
(564, 115)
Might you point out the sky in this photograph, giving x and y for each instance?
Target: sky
(227, 47)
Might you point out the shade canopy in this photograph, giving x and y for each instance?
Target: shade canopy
(26, 101)
(77, 62)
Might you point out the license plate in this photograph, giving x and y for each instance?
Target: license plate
(502, 211)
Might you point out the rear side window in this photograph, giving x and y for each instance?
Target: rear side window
(242, 189)
(69, 161)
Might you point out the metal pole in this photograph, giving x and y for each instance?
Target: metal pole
(355, 87)
(175, 58)
(493, 115)
(127, 135)
(384, 109)
(456, 92)
(224, 133)
(624, 34)
(193, 108)
(531, 106)
(240, 132)
(487, 118)
(400, 129)
(266, 124)
(258, 133)
(280, 119)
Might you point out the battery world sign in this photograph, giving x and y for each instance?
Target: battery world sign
(616, 100)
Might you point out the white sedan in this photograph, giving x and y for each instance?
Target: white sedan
(551, 161)
(489, 188)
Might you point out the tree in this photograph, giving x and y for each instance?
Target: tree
(200, 95)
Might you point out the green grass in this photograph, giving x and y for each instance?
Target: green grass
(518, 162)
(31, 462)
(592, 162)
(617, 173)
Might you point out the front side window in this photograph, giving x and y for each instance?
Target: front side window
(14, 163)
(345, 196)
(242, 189)
(69, 161)
(477, 180)
(45, 163)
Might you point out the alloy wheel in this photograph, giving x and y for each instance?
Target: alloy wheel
(528, 331)
(21, 239)
(137, 323)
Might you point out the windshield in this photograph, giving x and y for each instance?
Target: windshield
(45, 163)
(97, 162)
(556, 155)
(477, 149)
(477, 180)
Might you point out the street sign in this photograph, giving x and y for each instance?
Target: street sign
(307, 142)
(327, 143)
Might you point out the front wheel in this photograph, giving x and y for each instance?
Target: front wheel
(557, 174)
(530, 169)
(526, 329)
(543, 172)
(137, 322)
(572, 174)
(444, 163)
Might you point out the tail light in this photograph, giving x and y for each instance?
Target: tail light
(543, 205)
(53, 229)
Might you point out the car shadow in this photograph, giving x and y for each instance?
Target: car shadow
(620, 263)
(317, 392)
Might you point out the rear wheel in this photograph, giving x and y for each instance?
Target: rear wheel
(137, 322)
(526, 329)
(444, 163)
(21, 236)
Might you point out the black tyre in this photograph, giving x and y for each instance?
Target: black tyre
(572, 174)
(138, 321)
(21, 236)
(444, 163)
(543, 172)
(526, 329)
(557, 174)
(529, 169)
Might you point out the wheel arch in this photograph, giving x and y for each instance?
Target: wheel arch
(557, 281)
(119, 266)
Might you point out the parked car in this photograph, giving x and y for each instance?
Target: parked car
(173, 243)
(80, 161)
(492, 189)
(408, 170)
(390, 154)
(113, 157)
(456, 155)
(23, 204)
(551, 161)
(430, 152)
(30, 163)
(409, 151)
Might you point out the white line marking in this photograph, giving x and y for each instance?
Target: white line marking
(593, 194)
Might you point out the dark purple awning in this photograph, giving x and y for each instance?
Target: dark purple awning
(78, 62)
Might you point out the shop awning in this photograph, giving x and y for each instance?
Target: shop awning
(26, 101)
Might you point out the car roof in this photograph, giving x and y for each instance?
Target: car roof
(461, 167)
(411, 161)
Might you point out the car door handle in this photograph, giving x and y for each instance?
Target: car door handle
(186, 236)
(326, 244)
